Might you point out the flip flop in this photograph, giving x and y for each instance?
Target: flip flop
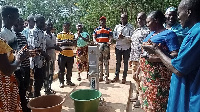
(137, 104)
(79, 79)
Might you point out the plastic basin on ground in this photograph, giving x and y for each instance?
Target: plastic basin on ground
(86, 100)
(46, 103)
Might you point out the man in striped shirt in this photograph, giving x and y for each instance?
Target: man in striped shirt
(66, 41)
(23, 73)
(102, 35)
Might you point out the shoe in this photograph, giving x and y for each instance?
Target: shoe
(87, 75)
(134, 98)
(123, 80)
(107, 81)
(37, 94)
(115, 79)
(137, 104)
(50, 92)
(61, 85)
(30, 95)
(70, 83)
(79, 79)
(100, 79)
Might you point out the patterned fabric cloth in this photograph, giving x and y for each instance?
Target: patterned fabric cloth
(66, 37)
(137, 38)
(127, 31)
(9, 93)
(184, 93)
(156, 77)
(155, 86)
(82, 59)
(37, 40)
(170, 9)
(82, 52)
(21, 42)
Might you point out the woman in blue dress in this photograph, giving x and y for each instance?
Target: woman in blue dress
(156, 77)
(184, 93)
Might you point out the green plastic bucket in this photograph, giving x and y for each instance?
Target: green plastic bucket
(86, 100)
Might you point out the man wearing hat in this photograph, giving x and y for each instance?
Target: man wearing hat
(173, 24)
(102, 35)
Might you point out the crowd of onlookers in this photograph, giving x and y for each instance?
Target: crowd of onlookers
(163, 53)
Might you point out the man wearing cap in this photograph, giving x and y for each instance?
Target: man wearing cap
(172, 24)
(102, 36)
(122, 35)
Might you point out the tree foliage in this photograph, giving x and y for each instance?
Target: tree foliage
(88, 12)
(93, 9)
(59, 11)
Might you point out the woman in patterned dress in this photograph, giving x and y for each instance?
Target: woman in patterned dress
(156, 77)
(82, 50)
(9, 93)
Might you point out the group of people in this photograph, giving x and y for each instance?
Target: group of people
(168, 71)
(163, 54)
(31, 51)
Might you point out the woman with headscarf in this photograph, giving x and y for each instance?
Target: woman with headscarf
(172, 23)
(82, 49)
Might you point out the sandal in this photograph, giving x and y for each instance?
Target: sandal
(137, 104)
(134, 98)
(50, 92)
(79, 79)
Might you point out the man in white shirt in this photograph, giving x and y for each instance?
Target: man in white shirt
(122, 35)
(37, 42)
(137, 38)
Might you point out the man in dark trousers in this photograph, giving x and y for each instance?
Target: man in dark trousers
(23, 73)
